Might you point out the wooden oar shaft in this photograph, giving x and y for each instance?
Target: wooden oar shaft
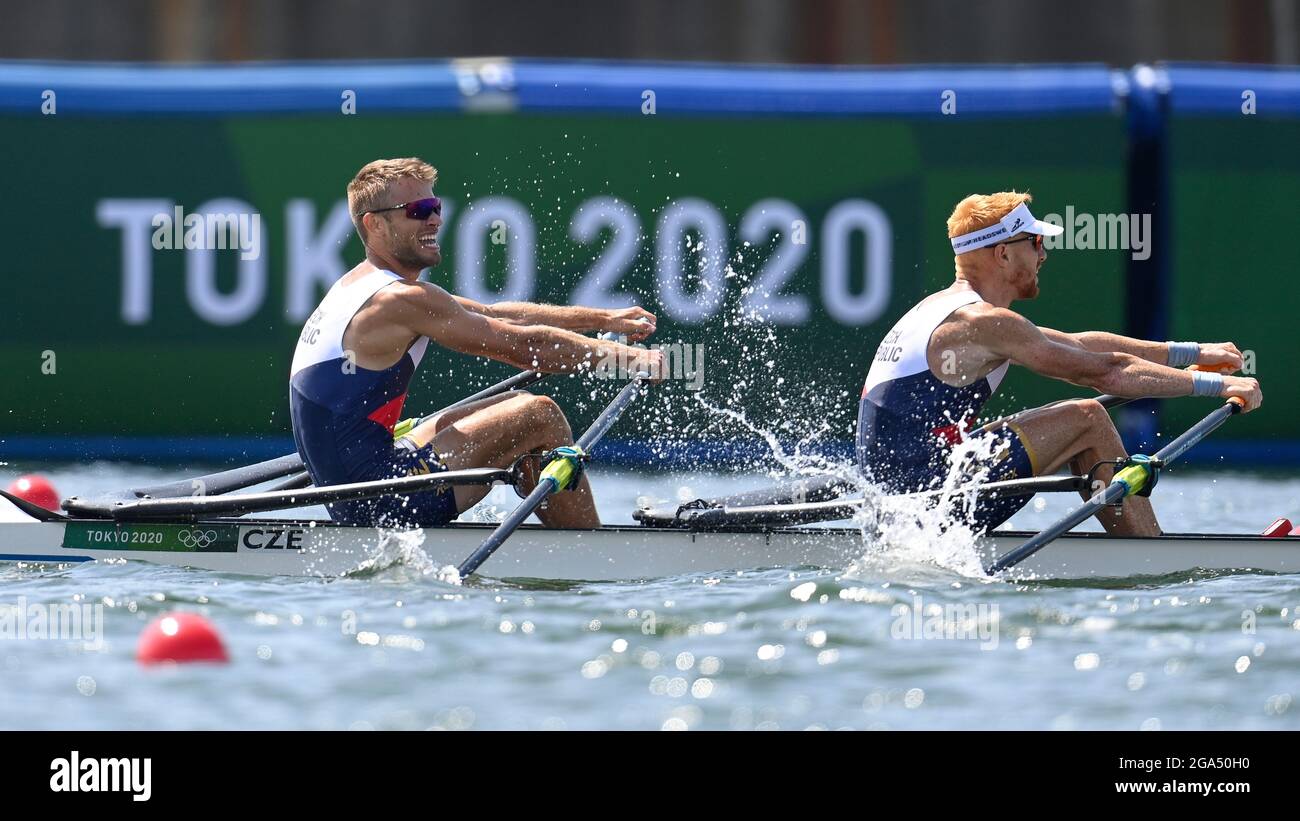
(1116, 490)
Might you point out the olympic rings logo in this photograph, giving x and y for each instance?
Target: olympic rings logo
(197, 538)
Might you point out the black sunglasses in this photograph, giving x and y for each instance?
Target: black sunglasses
(415, 209)
(1037, 238)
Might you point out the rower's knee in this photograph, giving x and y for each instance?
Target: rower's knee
(545, 416)
(1094, 418)
(1092, 412)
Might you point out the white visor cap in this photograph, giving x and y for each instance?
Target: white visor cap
(1018, 220)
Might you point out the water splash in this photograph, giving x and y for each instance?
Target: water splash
(796, 462)
(936, 527)
(397, 548)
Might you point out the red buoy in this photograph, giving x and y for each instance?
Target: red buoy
(180, 637)
(36, 489)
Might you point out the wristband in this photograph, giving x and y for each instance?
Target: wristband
(1182, 354)
(1206, 384)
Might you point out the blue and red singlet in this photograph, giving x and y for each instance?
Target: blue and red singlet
(343, 415)
(908, 419)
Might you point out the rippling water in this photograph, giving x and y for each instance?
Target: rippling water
(910, 644)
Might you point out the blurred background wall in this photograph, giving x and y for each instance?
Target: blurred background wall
(1118, 32)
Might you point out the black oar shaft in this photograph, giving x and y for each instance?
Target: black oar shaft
(1115, 491)
(290, 465)
(545, 485)
(239, 504)
(293, 482)
(806, 513)
(1197, 432)
(226, 480)
(520, 380)
(508, 526)
(610, 415)
(1108, 495)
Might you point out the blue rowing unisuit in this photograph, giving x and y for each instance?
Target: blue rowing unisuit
(343, 415)
(909, 419)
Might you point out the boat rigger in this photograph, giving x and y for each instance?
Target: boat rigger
(773, 527)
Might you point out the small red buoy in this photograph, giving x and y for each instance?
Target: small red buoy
(36, 489)
(180, 637)
(1281, 527)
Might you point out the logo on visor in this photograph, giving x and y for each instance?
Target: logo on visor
(1016, 224)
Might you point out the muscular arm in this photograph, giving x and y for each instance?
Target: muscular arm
(637, 323)
(1102, 342)
(574, 318)
(1005, 334)
(432, 312)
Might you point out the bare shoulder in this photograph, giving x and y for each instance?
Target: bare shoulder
(964, 321)
(959, 353)
(421, 297)
(985, 312)
(981, 318)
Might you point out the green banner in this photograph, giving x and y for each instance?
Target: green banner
(1235, 182)
(783, 247)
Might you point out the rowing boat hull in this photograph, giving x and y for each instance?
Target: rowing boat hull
(290, 548)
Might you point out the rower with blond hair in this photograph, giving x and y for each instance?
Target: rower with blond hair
(363, 343)
(940, 363)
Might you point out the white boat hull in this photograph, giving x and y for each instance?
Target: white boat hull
(289, 548)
